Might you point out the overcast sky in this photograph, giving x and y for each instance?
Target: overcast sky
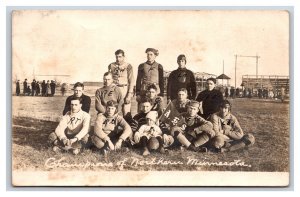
(82, 43)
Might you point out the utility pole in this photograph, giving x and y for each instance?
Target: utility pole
(235, 71)
(223, 72)
(251, 56)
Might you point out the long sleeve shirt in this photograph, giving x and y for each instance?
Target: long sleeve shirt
(105, 126)
(197, 124)
(86, 104)
(105, 94)
(181, 78)
(149, 131)
(181, 106)
(228, 126)
(210, 101)
(77, 124)
(150, 74)
(122, 74)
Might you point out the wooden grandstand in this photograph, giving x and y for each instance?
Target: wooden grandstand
(272, 82)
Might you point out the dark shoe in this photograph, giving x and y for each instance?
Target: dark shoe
(162, 150)
(192, 148)
(203, 150)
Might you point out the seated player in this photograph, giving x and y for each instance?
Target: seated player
(78, 92)
(156, 101)
(111, 130)
(195, 132)
(229, 134)
(182, 101)
(140, 119)
(72, 133)
(148, 131)
(210, 98)
(109, 92)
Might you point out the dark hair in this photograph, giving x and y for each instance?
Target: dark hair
(112, 103)
(155, 51)
(182, 89)
(78, 84)
(76, 98)
(146, 100)
(181, 57)
(107, 73)
(224, 103)
(152, 86)
(212, 79)
(120, 51)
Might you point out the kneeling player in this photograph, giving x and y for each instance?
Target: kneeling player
(229, 134)
(196, 131)
(72, 131)
(111, 130)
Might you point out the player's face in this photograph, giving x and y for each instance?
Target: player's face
(210, 85)
(150, 56)
(75, 106)
(181, 63)
(120, 58)
(152, 93)
(146, 107)
(78, 91)
(182, 96)
(224, 111)
(193, 110)
(107, 80)
(150, 122)
(110, 110)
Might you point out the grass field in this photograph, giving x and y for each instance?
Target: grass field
(35, 117)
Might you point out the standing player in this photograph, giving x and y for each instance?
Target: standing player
(181, 78)
(122, 74)
(109, 92)
(149, 72)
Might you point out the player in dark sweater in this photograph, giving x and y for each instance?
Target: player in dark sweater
(210, 98)
(181, 78)
(78, 92)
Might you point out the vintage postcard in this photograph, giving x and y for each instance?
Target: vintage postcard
(150, 98)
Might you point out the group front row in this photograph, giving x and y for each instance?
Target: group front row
(221, 132)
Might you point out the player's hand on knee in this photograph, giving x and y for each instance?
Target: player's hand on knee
(73, 140)
(118, 145)
(137, 137)
(111, 145)
(127, 100)
(65, 141)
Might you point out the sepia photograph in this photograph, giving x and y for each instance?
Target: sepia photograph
(150, 97)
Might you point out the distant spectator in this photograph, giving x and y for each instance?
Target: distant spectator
(18, 88)
(52, 86)
(44, 88)
(33, 87)
(25, 87)
(48, 89)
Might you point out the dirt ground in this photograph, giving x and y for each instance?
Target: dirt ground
(35, 117)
